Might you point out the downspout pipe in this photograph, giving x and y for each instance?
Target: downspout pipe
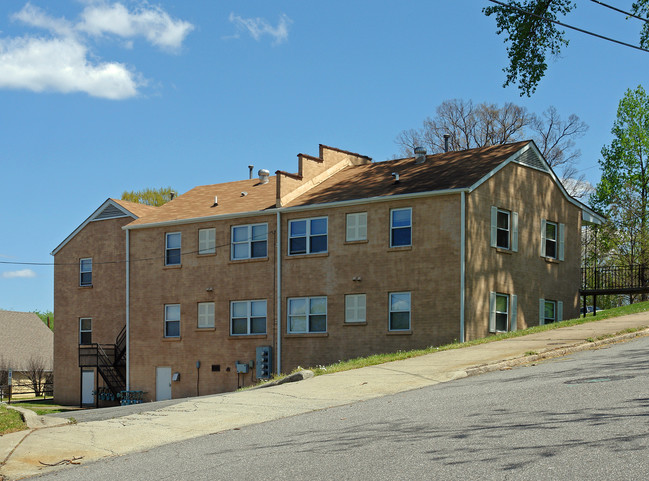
(278, 260)
(128, 312)
(462, 260)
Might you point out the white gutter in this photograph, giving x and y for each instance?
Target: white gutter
(462, 260)
(128, 317)
(278, 238)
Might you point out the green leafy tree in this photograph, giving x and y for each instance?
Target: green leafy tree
(531, 37)
(623, 192)
(149, 196)
(47, 317)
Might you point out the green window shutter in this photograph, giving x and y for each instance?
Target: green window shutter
(514, 308)
(541, 312)
(559, 311)
(542, 237)
(494, 225)
(561, 240)
(514, 232)
(492, 312)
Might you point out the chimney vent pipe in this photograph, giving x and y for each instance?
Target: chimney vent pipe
(446, 136)
(250, 167)
(420, 155)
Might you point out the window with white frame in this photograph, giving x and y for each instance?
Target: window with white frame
(247, 317)
(307, 314)
(401, 227)
(552, 239)
(172, 248)
(504, 229)
(207, 241)
(85, 330)
(307, 236)
(550, 311)
(172, 320)
(399, 311)
(356, 227)
(355, 308)
(249, 241)
(85, 272)
(502, 312)
(205, 315)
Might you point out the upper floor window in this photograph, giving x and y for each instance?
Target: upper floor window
(552, 239)
(399, 311)
(172, 249)
(249, 241)
(85, 272)
(356, 227)
(502, 312)
(355, 308)
(172, 320)
(247, 317)
(307, 314)
(401, 227)
(307, 236)
(550, 311)
(85, 330)
(205, 315)
(207, 241)
(504, 229)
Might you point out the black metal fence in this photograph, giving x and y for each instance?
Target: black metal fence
(614, 278)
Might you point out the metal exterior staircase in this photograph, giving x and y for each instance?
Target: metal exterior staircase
(110, 361)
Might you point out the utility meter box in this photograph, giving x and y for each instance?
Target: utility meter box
(242, 367)
(264, 362)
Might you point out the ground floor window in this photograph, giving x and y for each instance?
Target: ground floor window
(399, 311)
(307, 314)
(85, 330)
(355, 308)
(550, 311)
(172, 320)
(247, 317)
(502, 312)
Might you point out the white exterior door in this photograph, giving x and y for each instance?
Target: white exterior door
(87, 387)
(162, 383)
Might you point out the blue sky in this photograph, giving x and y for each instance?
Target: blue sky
(98, 97)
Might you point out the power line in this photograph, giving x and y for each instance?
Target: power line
(629, 14)
(587, 32)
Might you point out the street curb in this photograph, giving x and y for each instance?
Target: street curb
(550, 353)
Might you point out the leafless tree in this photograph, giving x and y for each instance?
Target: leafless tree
(35, 373)
(4, 371)
(470, 126)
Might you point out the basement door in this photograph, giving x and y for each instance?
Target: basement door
(162, 383)
(87, 387)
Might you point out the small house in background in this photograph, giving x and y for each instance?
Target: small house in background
(345, 257)
(26, 345)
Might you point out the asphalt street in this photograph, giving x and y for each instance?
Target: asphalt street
(583, 416)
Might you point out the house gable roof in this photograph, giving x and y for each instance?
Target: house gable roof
(25, 336)
(110, 209)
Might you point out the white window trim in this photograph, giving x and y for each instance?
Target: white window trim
(82, 271)
(512, 309)
(171, 320)
(308, 315)
(392, 228)
(512, 228)
(390, 311)
(207, 241)
(307, 235)
(205, 312)
(81, 330)
(249, 240)
(167, 248)
(356, 230)
(354, 312)
(249, 317)
(560, 240)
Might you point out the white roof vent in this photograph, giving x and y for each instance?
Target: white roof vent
(263, 176)
(420, 155)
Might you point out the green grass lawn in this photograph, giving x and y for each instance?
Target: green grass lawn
(10, 421)
(395, 356)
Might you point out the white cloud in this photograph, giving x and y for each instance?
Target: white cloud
(63, 61)
(258, 27)
(62, 64)
(150, 22)
(21, 273)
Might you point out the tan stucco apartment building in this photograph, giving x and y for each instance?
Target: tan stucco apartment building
(346, 258)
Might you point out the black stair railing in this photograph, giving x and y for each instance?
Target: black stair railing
(614, 277)
(109, 359)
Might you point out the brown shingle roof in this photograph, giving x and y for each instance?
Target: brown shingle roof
(24, 336)
(140, 210)
(450, 170)
(199, 202)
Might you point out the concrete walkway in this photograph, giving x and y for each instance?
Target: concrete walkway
(52, 440)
